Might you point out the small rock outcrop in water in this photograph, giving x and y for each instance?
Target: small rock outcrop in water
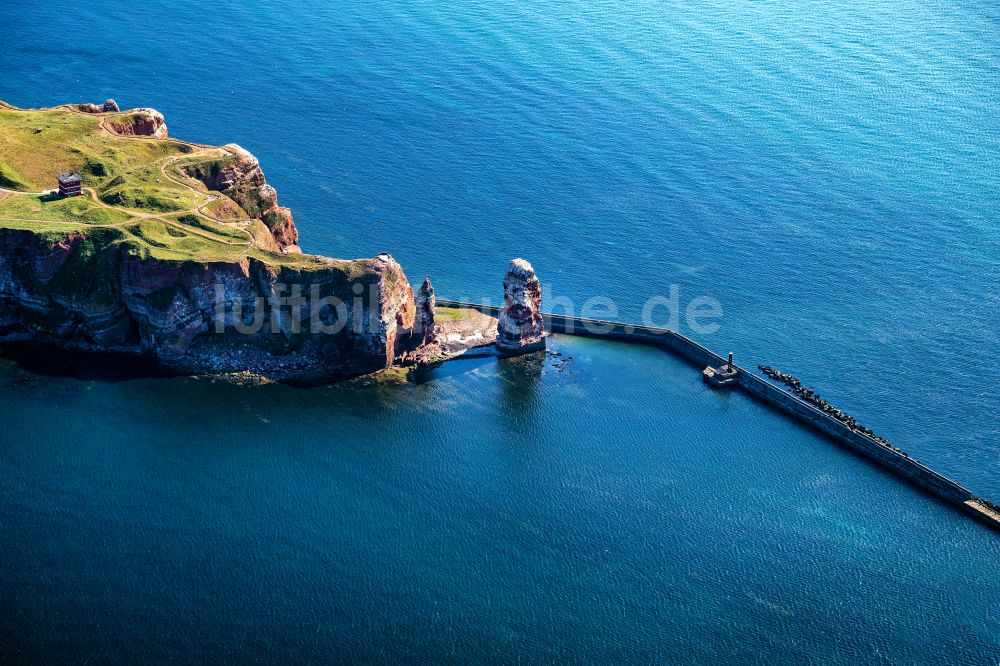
(424, 324)
(520, 327)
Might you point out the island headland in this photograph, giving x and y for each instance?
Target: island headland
(180, 253)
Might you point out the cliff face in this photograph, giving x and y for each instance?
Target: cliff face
(138, 122)
(317, 319)
(242, 180)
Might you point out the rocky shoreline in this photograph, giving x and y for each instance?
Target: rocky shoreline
(258, 308)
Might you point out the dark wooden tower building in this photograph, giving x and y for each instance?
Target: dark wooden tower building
(69, 184)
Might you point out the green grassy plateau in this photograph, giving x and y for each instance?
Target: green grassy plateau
(139, 188)
(452, 315)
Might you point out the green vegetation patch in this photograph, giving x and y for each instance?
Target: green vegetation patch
(272, 219)
(248, 198)
(56, 209)
(204, 168)
(170, 240)
(155, 233)
(452, 315)
(223, 231)
(147, 189)
(49, 232)
(225, 209)
(36, 144)
(10, 178)
(149, 199)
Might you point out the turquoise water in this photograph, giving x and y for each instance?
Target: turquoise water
(827, 172)
(616, 510)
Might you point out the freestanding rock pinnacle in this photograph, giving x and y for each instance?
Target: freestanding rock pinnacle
(520, 327)
(424, 324)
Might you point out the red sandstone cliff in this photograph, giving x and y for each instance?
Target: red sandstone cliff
(241, 179)
(138, 122)
(520, 326)
(93, 291)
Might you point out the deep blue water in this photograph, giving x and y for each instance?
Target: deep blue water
(828, 172)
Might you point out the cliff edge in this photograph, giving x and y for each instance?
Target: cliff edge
(179, 252)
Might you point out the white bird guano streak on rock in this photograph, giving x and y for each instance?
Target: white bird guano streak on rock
(520, 326)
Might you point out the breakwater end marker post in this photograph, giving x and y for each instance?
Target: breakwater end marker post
(724, 376)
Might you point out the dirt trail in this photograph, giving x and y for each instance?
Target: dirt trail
(198, 149)
(137, 216)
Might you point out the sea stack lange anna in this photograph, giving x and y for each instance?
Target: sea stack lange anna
(520, 326)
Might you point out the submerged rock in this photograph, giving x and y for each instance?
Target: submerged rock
(520, 327)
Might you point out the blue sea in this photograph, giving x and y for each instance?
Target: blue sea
(829, 173)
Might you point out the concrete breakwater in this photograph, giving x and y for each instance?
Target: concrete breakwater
(774, 396)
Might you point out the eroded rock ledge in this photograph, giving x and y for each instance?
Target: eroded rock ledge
(110, 106)
(241, 179)
(138, 122)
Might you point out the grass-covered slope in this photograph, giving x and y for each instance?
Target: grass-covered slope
(52, 208)
(171, 249)
(152, 190)
(35, 144)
